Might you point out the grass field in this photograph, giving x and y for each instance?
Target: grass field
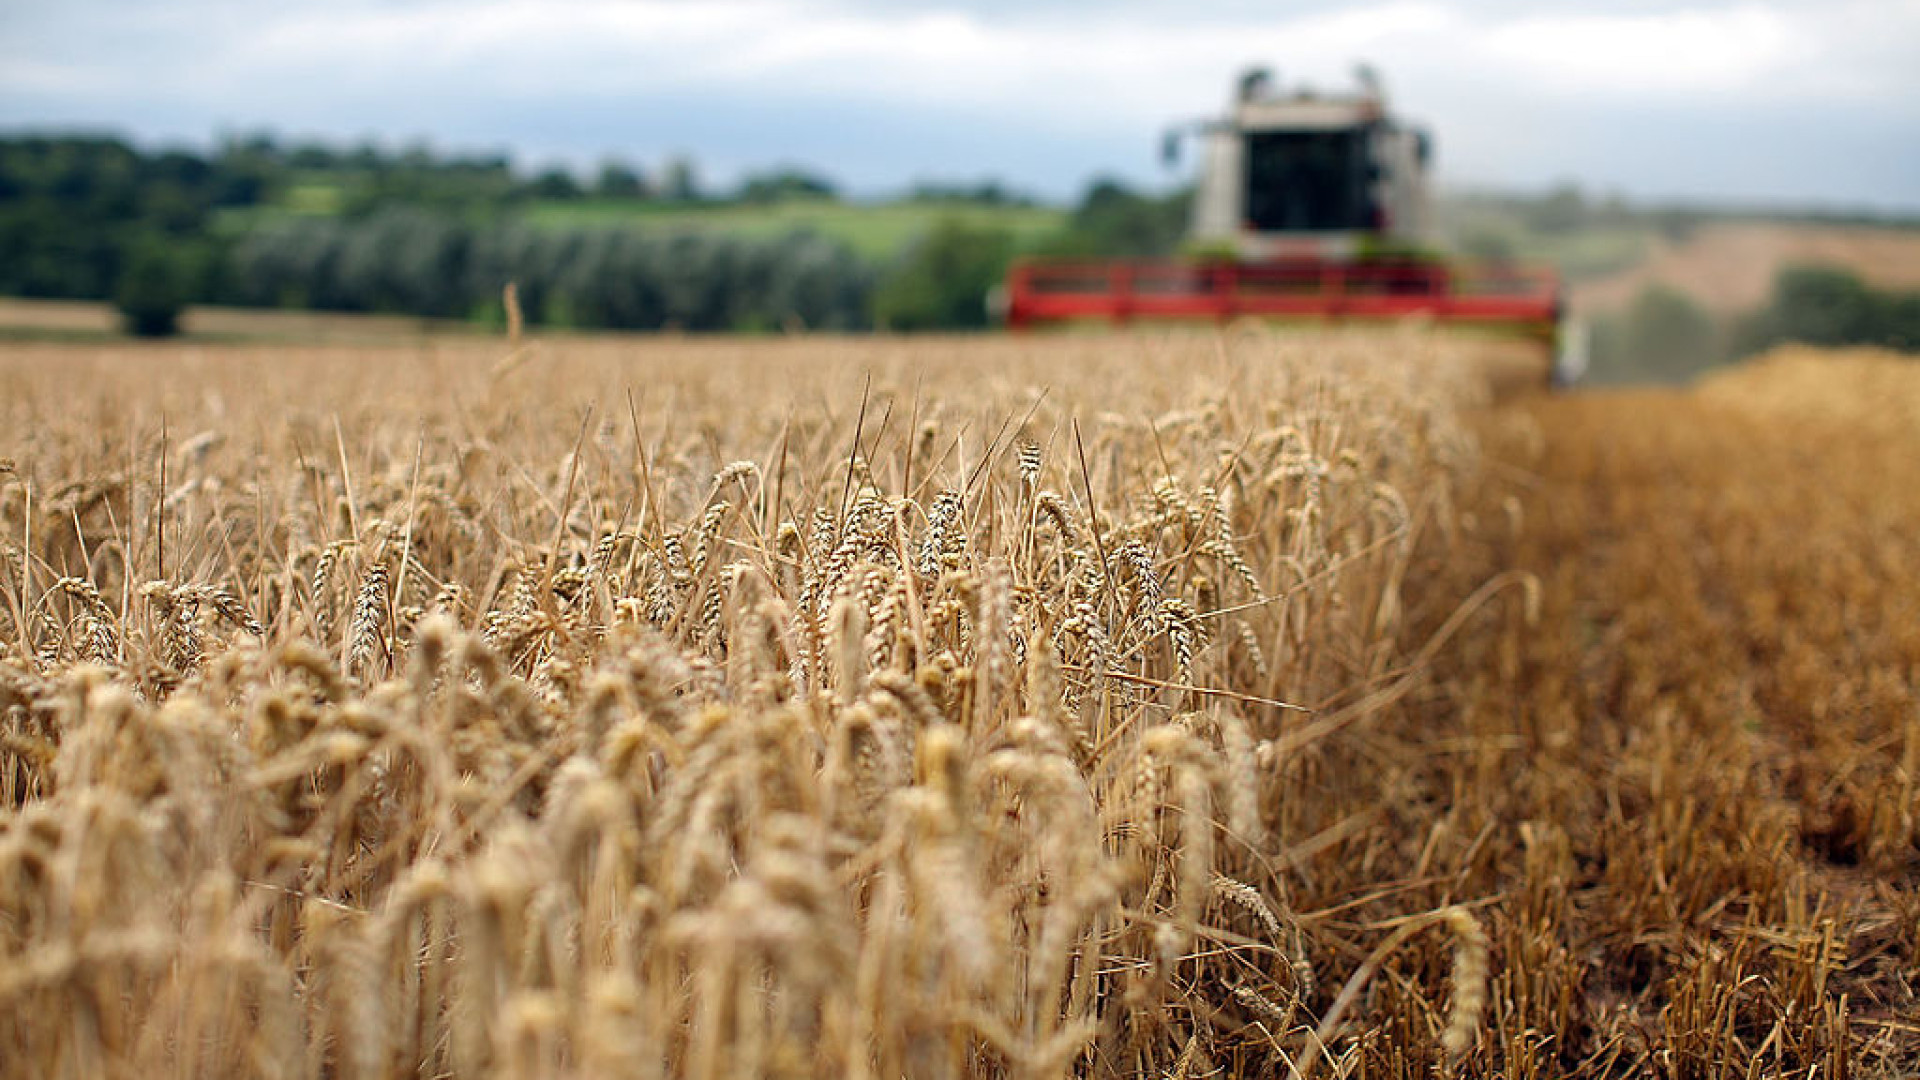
(1179, 705)
(877, 230)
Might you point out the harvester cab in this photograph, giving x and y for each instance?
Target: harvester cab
(1303, 175)
(1306, 207)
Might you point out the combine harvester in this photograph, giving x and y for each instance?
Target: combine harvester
(1310, 208)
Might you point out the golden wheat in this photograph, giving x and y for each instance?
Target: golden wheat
(1135, 706)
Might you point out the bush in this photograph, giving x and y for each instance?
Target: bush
(1662, 336)
(1113, 221)
(152, 289)
(943, 280)
(1830, 306)
(1900, 321)
(423, 263)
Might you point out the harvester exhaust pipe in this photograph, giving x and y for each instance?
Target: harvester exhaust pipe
(1254, 83)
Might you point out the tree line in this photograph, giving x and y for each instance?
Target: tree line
(1663, 334)
(438, 236)
(418, 262)
(412, 232)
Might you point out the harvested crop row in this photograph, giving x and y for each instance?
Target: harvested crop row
(1027, 708)
(1709, 742)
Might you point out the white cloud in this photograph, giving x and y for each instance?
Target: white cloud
(1497, 79)
(1063, 66)
(1727, 50)
(1081, 69)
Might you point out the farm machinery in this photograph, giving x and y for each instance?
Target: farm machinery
(1308, 207)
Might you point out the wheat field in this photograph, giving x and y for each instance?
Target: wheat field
(1207, 704)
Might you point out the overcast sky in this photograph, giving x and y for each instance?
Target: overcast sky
(1802, 101)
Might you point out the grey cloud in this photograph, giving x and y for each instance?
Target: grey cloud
(1044, 92)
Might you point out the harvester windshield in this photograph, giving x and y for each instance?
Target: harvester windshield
(1309, 181)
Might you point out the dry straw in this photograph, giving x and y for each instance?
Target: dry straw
(809, 719)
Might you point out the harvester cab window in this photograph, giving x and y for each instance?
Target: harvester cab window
(1309, 181)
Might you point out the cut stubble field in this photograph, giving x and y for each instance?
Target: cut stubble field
(1239, 704)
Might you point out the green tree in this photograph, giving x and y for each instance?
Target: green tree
(618, 180)
(1114, 221)
(1814, 305)
(153, 288)
(782, 184)
(680, 180)
(555, 183)
(1900, 321)
(1830, 306)
(943, 280)
(1662, 336)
